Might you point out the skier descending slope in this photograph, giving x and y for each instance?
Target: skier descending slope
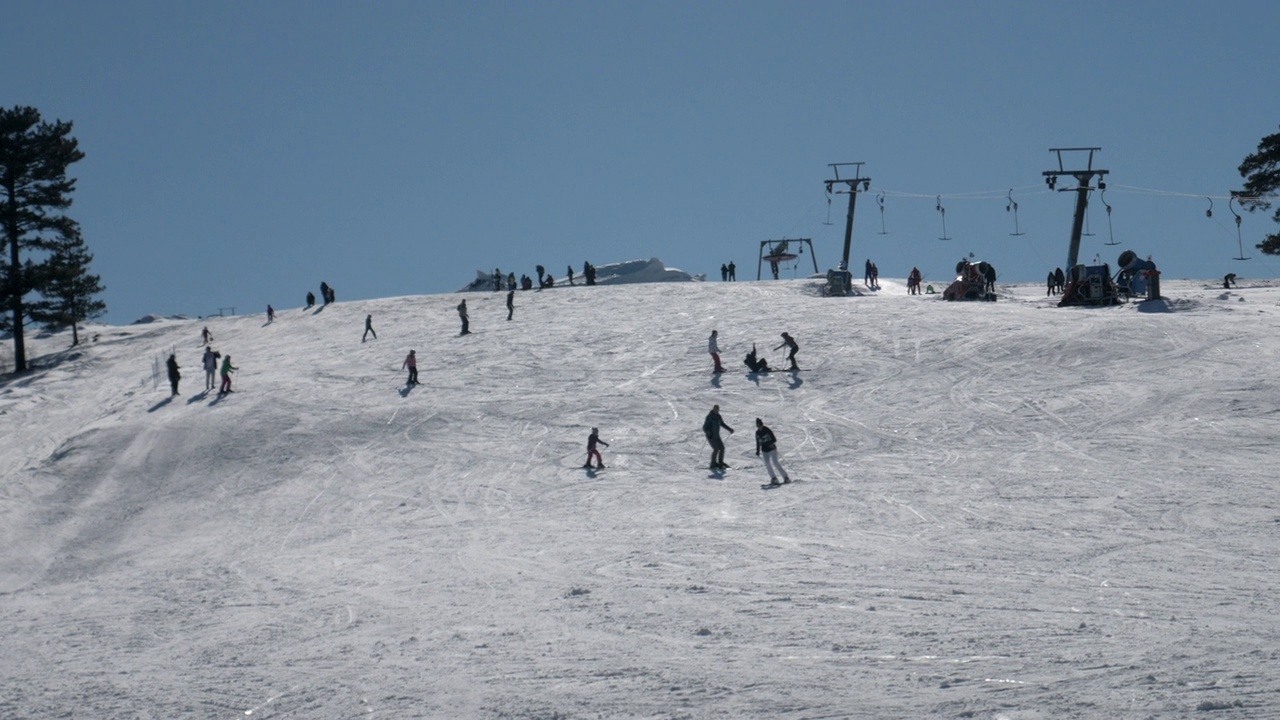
(592, 440)
(768, 444)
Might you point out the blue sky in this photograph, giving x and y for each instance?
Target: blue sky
(239, 153)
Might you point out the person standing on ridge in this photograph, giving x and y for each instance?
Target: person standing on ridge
(227, 369)
(271, 314)
(311, 300)
(511, 303)
(210, 362)
(767, 443)
(174, 375)
(570, 273)
(711, 428)
(368, 328)
(411, 362)
(733, 271)
(724, 273)
(714, 348)
(592, 440)
(790, 342)
(462, 314)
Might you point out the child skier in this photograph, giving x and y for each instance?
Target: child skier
(714, 348)
(411, 362)
(227, 369)
(592, 440)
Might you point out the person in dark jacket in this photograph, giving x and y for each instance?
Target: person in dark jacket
(511, 303)
(711, 428)
(462, 315)
(790, 342)
(174, 375)
(592, 440)
(768, 444)
(368, 328)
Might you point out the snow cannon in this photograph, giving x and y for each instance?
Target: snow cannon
(974, 281)
(1138, 276)
(1090, 285)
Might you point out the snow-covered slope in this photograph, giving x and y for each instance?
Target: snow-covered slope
(1004, 510)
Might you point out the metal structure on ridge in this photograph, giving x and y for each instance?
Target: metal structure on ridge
(854, 185)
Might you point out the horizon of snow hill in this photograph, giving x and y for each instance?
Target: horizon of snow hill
(1001, 510)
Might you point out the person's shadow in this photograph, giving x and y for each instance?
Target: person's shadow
(404, 392)
(161, 404)
(796, 382)
(715, 380)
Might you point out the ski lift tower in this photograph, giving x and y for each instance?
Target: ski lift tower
(1083, 177)
(855, 184)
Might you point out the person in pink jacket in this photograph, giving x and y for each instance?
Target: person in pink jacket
(411, 362)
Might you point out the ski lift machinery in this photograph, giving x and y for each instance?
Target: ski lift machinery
(779, 251)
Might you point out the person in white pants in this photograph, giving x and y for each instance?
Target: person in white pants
(768, 444)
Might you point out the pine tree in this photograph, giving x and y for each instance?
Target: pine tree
(34, 189)
(1261, 171)
(66, 287)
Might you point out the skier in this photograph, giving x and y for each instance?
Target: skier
(462, 313)
(765, 441)
(324, 292)
(913, 281)
(411, 362)
(570, 273)
(210, 362)
(757, 365)
(866, 275)
(790, 342)
(174, 375)
(271, 314)
(227, 369)
(714, 349)
(592, 451)
(368, 328)
(711, 428)
(206, 336)
(511, 303)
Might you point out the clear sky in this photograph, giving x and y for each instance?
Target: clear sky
(238, 153)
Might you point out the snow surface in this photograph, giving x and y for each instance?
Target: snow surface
(1004, 510)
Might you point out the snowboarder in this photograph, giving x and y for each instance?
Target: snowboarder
(210, 362)
(174, 375)
(790, 342)
(768, 444)
(733, 271)
(462, 313)
(714, 349)
(711, 428)
(511, 303)
(206, 336)
(592, 451)
(311, 300)
(227, 369)
(368, 328)
(411, 362)
(271, 314)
